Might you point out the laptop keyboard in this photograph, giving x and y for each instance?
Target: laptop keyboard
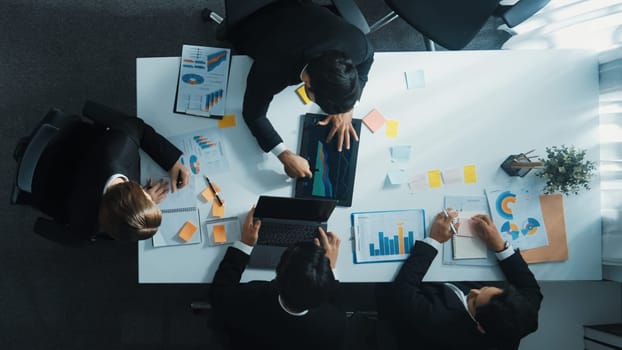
(285, 234)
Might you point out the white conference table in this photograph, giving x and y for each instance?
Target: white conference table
(477, 107)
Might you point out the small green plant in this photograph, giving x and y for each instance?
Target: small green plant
(566, 170)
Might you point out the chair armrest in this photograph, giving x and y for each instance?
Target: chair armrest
(517, 13)
(349, 11)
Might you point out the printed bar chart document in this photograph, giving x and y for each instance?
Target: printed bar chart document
(202, 83)
(381, 236)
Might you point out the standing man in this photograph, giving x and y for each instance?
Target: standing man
(463, 315)
(290, 43)
(294, 311)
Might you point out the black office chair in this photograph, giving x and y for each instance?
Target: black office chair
(29, 149)
(454, 23)
(27, 154)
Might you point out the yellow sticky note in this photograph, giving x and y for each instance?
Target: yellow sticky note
(392, 126)
(218, 210)
(208, 194)
(434, 178)
(220, 234)
(303, 94)
(227, 121)
(187, 231)
(470, 174)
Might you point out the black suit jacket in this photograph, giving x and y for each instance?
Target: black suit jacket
(282, 38)
(70, 176)
(430, 316)
(253, 318)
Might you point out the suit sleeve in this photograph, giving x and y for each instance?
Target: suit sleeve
(407, 285)
(227, 277)
(518, 274)
(155, 145)
(363, 70)
(263, 82)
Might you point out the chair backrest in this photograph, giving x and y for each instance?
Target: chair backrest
(48, 129)
(449, 23)
(350, 12)
(238, 10)
(28, 164)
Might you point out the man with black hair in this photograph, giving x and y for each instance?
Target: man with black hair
(294, 311)
(293, 42)
(462, 315)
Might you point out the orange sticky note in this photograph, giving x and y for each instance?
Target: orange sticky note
(227, 121)
(374, 120)
(434, 178)
(208, 194)
(187, 231)
(218, 210)
(303, 94)
(470, 174)
(392, 126)
(220, 234)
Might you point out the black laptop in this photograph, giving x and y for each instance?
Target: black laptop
(285, 221)
(333, 171)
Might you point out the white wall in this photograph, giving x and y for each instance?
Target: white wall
(567, 306)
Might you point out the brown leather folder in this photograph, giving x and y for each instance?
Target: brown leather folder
(557, 250)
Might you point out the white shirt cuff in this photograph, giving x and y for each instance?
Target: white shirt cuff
(335, 274)
(278, 149)
(245, 248)
(505, 253)
(434, 243)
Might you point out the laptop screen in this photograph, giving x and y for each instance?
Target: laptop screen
(294, 209)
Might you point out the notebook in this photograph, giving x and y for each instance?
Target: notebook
(285, 221)
(173, 222)
(333, 171)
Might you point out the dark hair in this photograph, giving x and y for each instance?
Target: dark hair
(127, 214)
(304, 277)
(507, 316)
(334, 81)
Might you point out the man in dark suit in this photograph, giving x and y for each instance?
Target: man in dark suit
(291, 43)
(87, 178)
(294, 311)
(462, 315)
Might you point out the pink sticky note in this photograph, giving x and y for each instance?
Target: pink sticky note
(374, 120)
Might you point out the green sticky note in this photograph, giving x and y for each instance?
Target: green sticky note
(470, 174)
(434, 178)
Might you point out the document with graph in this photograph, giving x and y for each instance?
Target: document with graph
(202, 83)
(381, 236)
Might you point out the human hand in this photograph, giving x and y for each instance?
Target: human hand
(158, 191)
(250, 231)
(441, 227)
(180, 175)
(295, 166)
(342, 126)
(330, 242)
(487, 232)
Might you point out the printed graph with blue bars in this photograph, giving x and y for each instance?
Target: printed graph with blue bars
(386, 235)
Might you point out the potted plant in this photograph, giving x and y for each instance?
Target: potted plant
(566, 170)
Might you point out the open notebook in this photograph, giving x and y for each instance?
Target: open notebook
(173, 222)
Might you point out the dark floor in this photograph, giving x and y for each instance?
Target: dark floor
(58, 54)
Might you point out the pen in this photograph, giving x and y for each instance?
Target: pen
(180, 181)
(451, 224)
(213, 190)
